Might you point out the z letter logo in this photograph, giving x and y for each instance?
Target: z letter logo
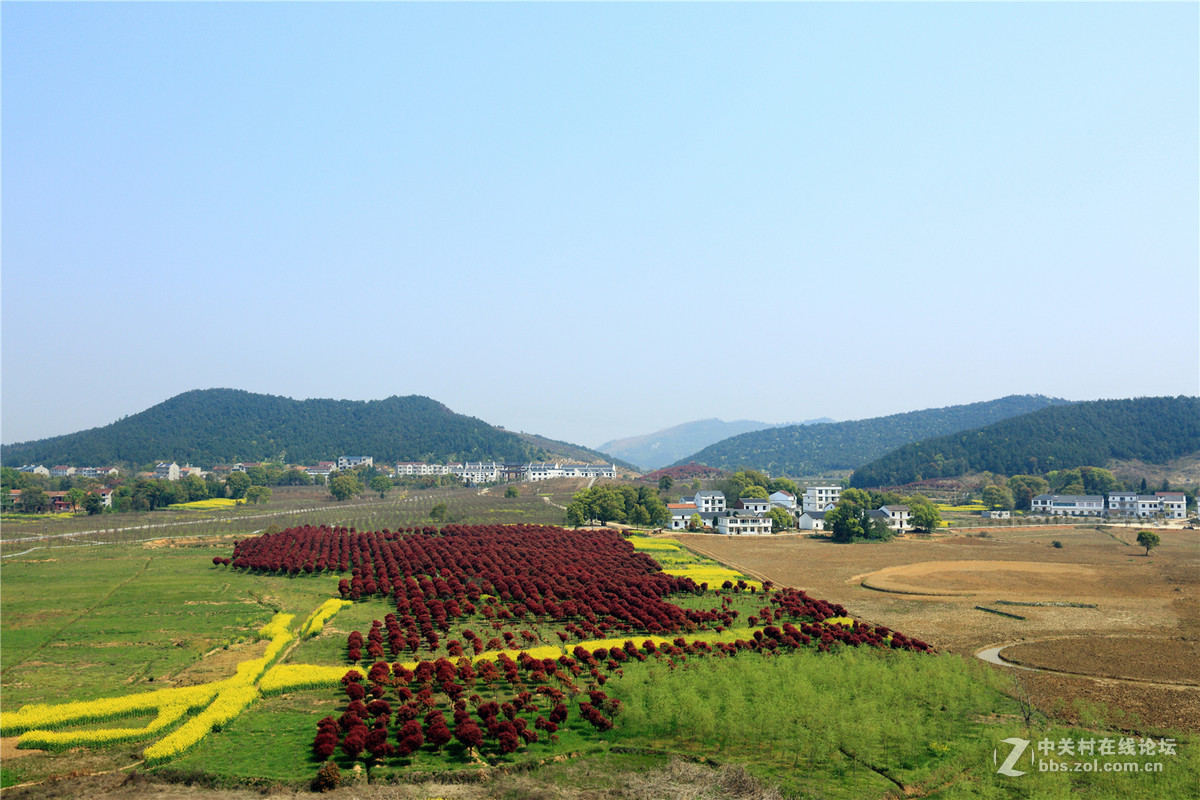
(1006, 768)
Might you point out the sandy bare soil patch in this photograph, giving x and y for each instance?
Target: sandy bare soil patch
(1138, 658)
(1027, 579)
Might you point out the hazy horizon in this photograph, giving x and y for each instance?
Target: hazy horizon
(595, 221)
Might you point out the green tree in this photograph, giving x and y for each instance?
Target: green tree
(695, 522)
(258, 476)
(1025, 488)
(639, 516)
(438, 512)
(194, 487)
(998, 497)
(1148, 540)
(780, 519)
(695, 485)
(783, 485)
(258, 494)
(665, 483)
(236, 484)
(34, 500)
(755, 491)
(512, 491)
(295, 477)
(93, 504)
(381, 484)
(344, 486)
(76, 496)
(924, 514)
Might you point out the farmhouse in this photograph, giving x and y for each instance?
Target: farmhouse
(897, 517)
(782, 499)
(811, 521)
(753, 504)
(681, 513)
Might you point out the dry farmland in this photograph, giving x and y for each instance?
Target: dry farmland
(1134, 628)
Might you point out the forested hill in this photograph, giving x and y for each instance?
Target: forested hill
(800, 450)
(1150, 429)
(224, 426)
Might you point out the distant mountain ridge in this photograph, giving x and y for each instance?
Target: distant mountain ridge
(801, 450)
(653, 450)
(1150, 429)
(222, 426)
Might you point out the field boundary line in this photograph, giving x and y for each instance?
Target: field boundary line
(996, 649)
(83, 614)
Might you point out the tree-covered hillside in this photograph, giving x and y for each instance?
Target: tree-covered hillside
(815, 449)
(1149, 429)
(215, 426)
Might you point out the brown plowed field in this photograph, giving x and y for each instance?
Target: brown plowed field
(929, 588)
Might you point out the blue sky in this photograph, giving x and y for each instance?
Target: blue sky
(591, 221)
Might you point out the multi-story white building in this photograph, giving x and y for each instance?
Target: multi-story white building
(96, 472)
(1070, 505)
(821, 498)
(735, 523)
(1174, 504)
(708, 501)
(1122, 504)
(165, 471)
(61, 472)
(478, 472)
(34, 469)
(350, 462)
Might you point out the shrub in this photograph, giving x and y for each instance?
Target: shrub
(329, 777)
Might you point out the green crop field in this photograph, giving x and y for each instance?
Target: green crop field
(115, 621)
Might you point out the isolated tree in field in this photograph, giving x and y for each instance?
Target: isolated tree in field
(665, 483)
(381, 484)
(512, 491)
(344, 486)
(438, 512)
(258, 494)
(237, 483)
(1148, 540)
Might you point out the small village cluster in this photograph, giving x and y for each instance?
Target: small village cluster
(749, 515)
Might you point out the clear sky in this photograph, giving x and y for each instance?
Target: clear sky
(591, 221)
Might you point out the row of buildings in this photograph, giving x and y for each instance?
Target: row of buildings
(1167, 505)
(469, 472)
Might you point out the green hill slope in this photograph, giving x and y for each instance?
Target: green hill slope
(815, 449)
(1149, 429)
(214, 426)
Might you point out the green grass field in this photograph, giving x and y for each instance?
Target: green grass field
(92, 622)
